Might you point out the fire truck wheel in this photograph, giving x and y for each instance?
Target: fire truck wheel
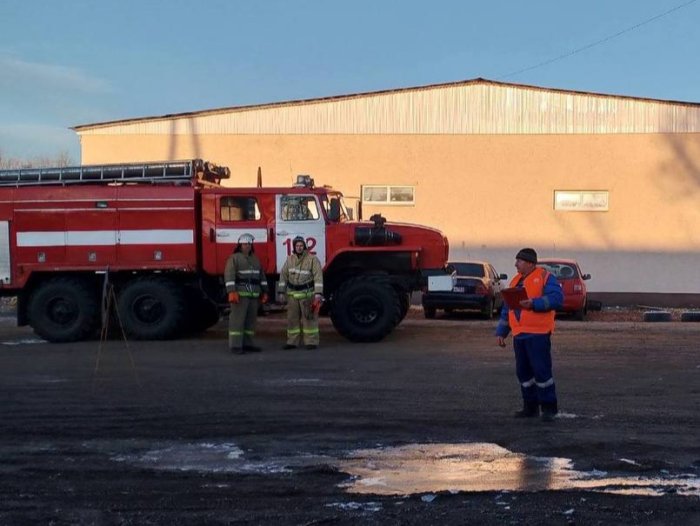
(365, 308)
(64, 310)
(152, 308)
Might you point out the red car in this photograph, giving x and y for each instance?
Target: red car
(573, 284)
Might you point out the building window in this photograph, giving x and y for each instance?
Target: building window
(581, 200)
(388, 195)
(239, 209)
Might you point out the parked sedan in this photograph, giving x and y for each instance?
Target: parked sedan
(572, 280)
(477, 286)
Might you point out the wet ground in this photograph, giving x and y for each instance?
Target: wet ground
(413, 430)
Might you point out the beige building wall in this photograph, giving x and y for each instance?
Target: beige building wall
(490, 194)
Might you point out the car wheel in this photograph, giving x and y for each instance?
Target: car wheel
(659, 315)
(580, 314)
(405, 301)
(487, 311)
(690, 316)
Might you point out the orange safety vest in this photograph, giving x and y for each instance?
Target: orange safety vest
(531, 321)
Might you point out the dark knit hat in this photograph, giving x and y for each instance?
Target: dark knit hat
(527, 254)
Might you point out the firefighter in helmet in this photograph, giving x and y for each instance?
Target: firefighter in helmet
(301, 287)
(246, 286)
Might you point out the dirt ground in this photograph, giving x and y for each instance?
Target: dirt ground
(184, 433)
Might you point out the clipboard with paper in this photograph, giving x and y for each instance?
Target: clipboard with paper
(513, 296)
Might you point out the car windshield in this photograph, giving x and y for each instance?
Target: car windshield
(468, 269)
(560, 270)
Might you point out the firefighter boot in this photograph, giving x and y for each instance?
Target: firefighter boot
(530, 409)
(549, 411)
(251, 348)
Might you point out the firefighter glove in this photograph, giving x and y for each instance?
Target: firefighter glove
(263, 297)
(233, 297)
(316, 303)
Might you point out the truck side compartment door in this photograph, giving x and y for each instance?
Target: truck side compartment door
(91, 227)
(5, 262)
(40, 231)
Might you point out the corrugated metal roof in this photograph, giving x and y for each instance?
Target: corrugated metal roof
(477, 106)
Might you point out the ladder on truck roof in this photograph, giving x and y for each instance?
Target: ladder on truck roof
(193, 171)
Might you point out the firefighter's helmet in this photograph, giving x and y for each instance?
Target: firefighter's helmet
(245, 239)
(299, 239)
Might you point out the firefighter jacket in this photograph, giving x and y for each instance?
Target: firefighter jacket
(243, 274)
(301, 274)
(546, 295)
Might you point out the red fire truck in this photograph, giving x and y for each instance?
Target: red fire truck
(157, 236)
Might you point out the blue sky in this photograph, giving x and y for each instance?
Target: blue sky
(70, 62)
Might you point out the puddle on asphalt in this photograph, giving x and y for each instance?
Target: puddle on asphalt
(416, 469)
(430, 468)
(24, 341)
(213, 458)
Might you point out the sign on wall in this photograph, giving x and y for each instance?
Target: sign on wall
(581, 200)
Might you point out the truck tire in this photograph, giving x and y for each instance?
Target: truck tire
(365, 308)
(152, 308)
(64, 309)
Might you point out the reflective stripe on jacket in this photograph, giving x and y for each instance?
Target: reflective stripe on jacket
(301, 270)
(243, 274)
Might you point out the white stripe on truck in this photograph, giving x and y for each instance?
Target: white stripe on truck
(78, 238)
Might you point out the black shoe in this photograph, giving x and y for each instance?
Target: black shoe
(288, 346)
(311, 347)
(529, 410)
(526, 413)
(548, 416)
(549, 411)
(251, 348)
(237, 350)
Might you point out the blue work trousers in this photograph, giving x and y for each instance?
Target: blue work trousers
(533, 366)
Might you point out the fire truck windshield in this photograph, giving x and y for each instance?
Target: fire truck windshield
(335, 208)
